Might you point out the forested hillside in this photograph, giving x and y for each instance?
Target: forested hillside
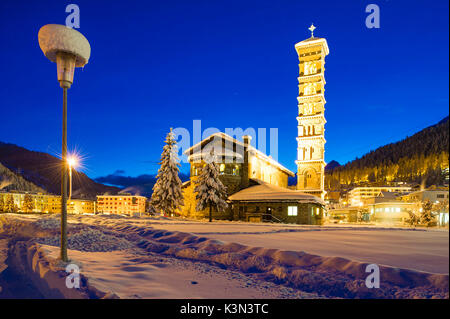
(12, 181)
(421, 158)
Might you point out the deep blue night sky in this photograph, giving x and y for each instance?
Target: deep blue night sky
(156, 65)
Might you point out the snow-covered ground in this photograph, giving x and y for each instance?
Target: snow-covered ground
(142, 275)
(420, 249)
(173, 258)
(417, 249)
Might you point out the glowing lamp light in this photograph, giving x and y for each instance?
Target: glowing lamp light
(72, 161)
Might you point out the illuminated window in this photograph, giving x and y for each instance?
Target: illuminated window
(397, 209)
(292, 210)
(222, 168)
(386, 209)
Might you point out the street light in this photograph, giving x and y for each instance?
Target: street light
(69, 49)
(72, 161)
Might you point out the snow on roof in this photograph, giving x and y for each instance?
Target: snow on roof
(197, 150)
(387, 195)
(268, 192)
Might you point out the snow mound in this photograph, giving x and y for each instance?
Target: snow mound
(329, 276)
(49, 223)
(90, 240)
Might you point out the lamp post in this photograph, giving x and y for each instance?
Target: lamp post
(69, 49)
(72, 162)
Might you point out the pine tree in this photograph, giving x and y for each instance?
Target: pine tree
(167, 194)
(28, 203)
(9, 204)
(413, 219)
(210, 190)
(427, 216)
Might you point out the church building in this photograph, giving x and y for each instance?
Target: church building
(257, 185)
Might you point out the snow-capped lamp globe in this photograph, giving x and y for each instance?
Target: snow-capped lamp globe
(65, 46)
(69, 49)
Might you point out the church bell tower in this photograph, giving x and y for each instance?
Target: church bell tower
(311, 118)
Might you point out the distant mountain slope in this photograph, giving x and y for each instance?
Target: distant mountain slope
(418, 158)
(44, 171)
(12, 181)
(142, 184)
(332, 165)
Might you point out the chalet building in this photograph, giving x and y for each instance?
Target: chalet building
(256, 184)
(266, 202)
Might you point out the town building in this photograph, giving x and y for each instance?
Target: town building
(81, 206)
(311, 119)
(41, 203)
(47, 203)
(439, 196)
(433, 195)
(357, 195)
(125, 204)
(256, 184)
(386, 207)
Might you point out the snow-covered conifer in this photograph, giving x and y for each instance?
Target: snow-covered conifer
(427, 215)
(211, 192)
(167, 195)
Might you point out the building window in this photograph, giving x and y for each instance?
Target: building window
(292, 210)
(222, 169)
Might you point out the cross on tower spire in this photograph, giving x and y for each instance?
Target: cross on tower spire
(312, 28)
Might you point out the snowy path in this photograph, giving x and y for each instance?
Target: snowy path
(139, 274)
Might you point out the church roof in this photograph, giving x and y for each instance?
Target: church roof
(201, 149)
(265, 192)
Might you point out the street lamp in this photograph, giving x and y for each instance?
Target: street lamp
(69, 49)
(72, 161)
